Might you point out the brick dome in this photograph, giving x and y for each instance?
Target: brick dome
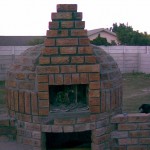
(82, 80)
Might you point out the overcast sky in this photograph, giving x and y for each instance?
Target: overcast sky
(31, 17)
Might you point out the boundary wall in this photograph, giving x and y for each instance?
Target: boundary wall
(129, 58)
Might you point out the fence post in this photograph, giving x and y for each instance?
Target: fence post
(123, 59)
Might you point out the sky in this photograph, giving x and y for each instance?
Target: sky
(31, 17)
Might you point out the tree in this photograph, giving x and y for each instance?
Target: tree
(100, 41)
(127, 36)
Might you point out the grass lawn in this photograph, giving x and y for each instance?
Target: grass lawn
(136, 91)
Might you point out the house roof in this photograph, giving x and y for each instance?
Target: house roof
(94, 31)
(26, 40)
(18, 40)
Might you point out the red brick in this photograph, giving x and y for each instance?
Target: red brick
(20, 76)
(119, 134)
(67, 24)
(60, 60)
(144, 141)
(16, 98)
(94, 85)
(47, 69)
(102, 139)
(51, 79)
(78, 32)
(59, 79)
(57, 33)
(26, 85)
(34, 104)
(81, 127)
(44, 60)
(67, 7)
(84, 41)
(67, 79)
(27, 103)
(21, 102)
(95, 109)
(88, 68)
(67, 42)
(94, 93)
(43, 103)
(31, 76)
(138, 117)
(85, 50)
(128, 141)
(77, 16)
(49, 42)
(57, 128)
(94, 101)
(43, 95)
(44, 111)
(144, 126)
(84, 119)
(50, 51)
(113, 99)
(68, 50)
(75, 79)
(90, 59)
(54, 25)
(127, 126)
(12, 84)
(119, 119)
(139, 134)
(42, 78)
(42, 87)
(64, 121)
(77, 59)
(94, 77)
(84, 78)
(80, 24)
(68, 69)
(12, 101)
(68, 128)
(61, 16)
(103, 101)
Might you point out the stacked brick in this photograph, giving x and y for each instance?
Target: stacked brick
(68, 58)
(132, 133)
(110, 81)
(21, 85)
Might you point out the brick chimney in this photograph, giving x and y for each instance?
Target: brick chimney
(68, 57)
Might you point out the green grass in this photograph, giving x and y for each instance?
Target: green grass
(136, 91)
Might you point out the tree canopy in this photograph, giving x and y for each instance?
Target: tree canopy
(101, 41)
(127, 36)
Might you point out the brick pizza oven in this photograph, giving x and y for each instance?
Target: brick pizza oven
(64, 92)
